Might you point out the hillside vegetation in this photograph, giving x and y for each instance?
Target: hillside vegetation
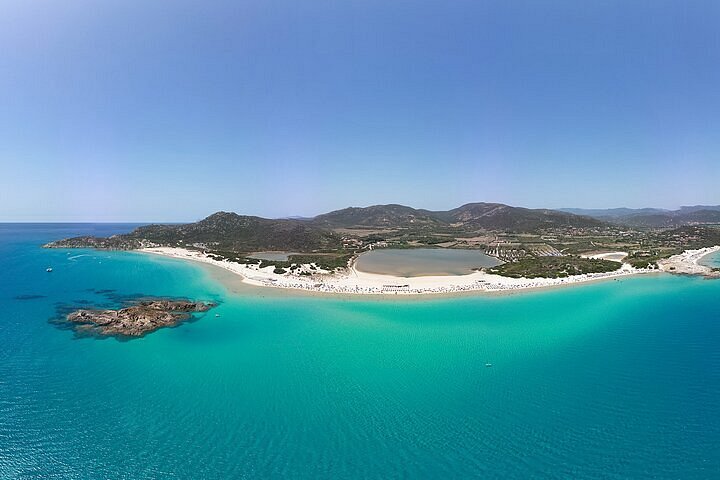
(554, 267)
(532, 242)
(472, 216)
(221, 231)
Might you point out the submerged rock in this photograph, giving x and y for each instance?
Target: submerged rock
(136, 320)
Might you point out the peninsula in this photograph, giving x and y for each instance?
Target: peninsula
(535, 247)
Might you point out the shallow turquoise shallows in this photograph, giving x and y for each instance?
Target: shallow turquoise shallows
(712, 260)
(618, 379)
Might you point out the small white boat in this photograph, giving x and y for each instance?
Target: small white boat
(217, 314)
(488, 364)
(49, 269)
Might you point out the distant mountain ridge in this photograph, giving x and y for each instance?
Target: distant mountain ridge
(497, 216)
(231, 232)
(605, 213)
(480, 215)
(697, 208)
(227, 231)
(654, 217)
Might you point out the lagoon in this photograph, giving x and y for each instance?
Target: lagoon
(417, 262)
(712, 260)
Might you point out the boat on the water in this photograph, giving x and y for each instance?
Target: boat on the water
(48, 269)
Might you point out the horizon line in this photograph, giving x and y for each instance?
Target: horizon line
(296, 217)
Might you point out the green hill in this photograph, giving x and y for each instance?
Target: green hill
(230, 232)
(383, 216)
(222, 231)
(472, 216)
(497, 216)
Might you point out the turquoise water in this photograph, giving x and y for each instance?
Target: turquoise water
(609, 380)
(712, 260)
(417, 262)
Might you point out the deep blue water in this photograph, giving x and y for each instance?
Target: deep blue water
(619, 379)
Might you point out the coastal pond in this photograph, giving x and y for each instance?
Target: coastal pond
(712, 260)
(419, 262)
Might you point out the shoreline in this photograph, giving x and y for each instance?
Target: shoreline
(355, 282)
(688, 263)
(234, 283)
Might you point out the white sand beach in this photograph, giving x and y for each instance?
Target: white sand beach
(688, 262)
(353, 281)
(614, 256)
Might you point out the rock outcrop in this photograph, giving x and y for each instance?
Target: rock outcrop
(136, 320)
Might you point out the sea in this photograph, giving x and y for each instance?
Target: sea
(609, 380)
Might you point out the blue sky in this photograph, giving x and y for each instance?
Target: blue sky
(168, 111)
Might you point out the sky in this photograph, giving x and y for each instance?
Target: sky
(171, 110)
